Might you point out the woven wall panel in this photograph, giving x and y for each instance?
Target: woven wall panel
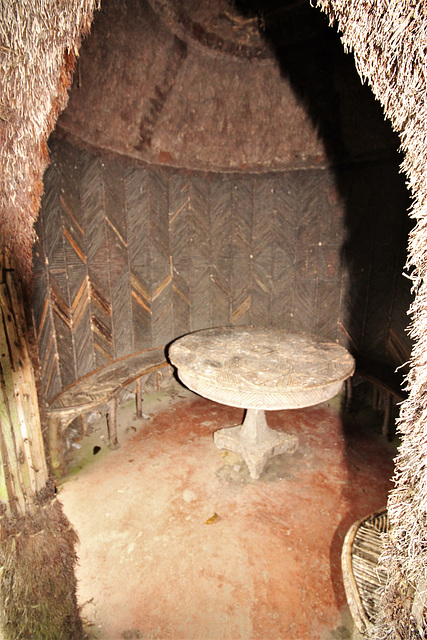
(200, 300)
(262, 251)
(132, 257)
(75, 261)
(54, 245)
(241, 265)
(286, 195)
(330, 272)
(398, 345)
(63, 333)
(160, 259)
(220, 250)
(180, 246)
(306, 282)
(118, 261)
(43, 318)
(137, 210)
(92, 200)
(357, 255)
(374, 255)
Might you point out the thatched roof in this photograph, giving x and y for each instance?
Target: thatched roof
(389, 41)
(197, 85)
(210, 97)
(39, 41)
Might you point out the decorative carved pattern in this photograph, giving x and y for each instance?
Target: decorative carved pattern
(260, 368)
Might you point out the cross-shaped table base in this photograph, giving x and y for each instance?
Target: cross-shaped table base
(254, 441)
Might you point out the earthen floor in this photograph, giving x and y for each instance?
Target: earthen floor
(177, 542)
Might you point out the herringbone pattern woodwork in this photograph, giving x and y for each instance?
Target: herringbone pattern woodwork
(43, 317)
(307, 259)
(160, 258)
(93, 206)
(286, 215)
(137, 209)
(221, 250)
(180, 246)
(118, 261)
(200, 264)
(241, 264)
(262, 251)
(132, 257)
(76, 264)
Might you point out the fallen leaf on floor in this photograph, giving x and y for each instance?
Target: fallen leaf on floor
(212, 519)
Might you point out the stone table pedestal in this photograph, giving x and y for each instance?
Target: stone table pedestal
(254, 441)
(259, 369)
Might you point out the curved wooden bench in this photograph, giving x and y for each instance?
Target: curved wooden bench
(97, 390)
(386, 384)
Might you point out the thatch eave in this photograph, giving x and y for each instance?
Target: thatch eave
(39, 40)
(389, 42)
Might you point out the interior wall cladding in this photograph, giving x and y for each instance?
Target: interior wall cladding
(131, 257)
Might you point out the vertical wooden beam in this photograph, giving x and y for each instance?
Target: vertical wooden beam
(24, 470)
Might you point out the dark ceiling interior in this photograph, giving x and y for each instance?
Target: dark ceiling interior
(224, 86)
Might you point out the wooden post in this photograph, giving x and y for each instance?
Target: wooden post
(23, 471)
(36, 600)
(112, 423)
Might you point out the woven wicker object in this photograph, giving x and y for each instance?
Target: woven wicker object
(258, 369)
(363, 578)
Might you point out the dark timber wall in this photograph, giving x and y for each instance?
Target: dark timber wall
(131, 257)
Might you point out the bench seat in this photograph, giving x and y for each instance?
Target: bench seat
(387, 386)
(97, 390)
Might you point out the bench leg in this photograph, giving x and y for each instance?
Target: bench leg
(138, 397)
(376, 404)
(159, 377)
(56, 426)
(348, 390)
(84, 424)
(387, 411)
(112, 423)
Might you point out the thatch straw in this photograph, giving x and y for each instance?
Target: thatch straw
(39, 40)
(389, 42)
(37, 581)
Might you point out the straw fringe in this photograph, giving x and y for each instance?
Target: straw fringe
(39, 41)
(389, 42)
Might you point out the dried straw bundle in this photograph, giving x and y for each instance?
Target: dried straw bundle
(389, 41)
(39, 604)
(39, 41)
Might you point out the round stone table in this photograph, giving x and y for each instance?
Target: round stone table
(259, 369)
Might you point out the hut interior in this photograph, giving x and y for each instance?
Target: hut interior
(219, 164)
(208, 173)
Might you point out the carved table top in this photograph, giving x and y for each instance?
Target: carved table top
(260, 368)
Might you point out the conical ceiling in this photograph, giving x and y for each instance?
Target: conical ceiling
(205, 85)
